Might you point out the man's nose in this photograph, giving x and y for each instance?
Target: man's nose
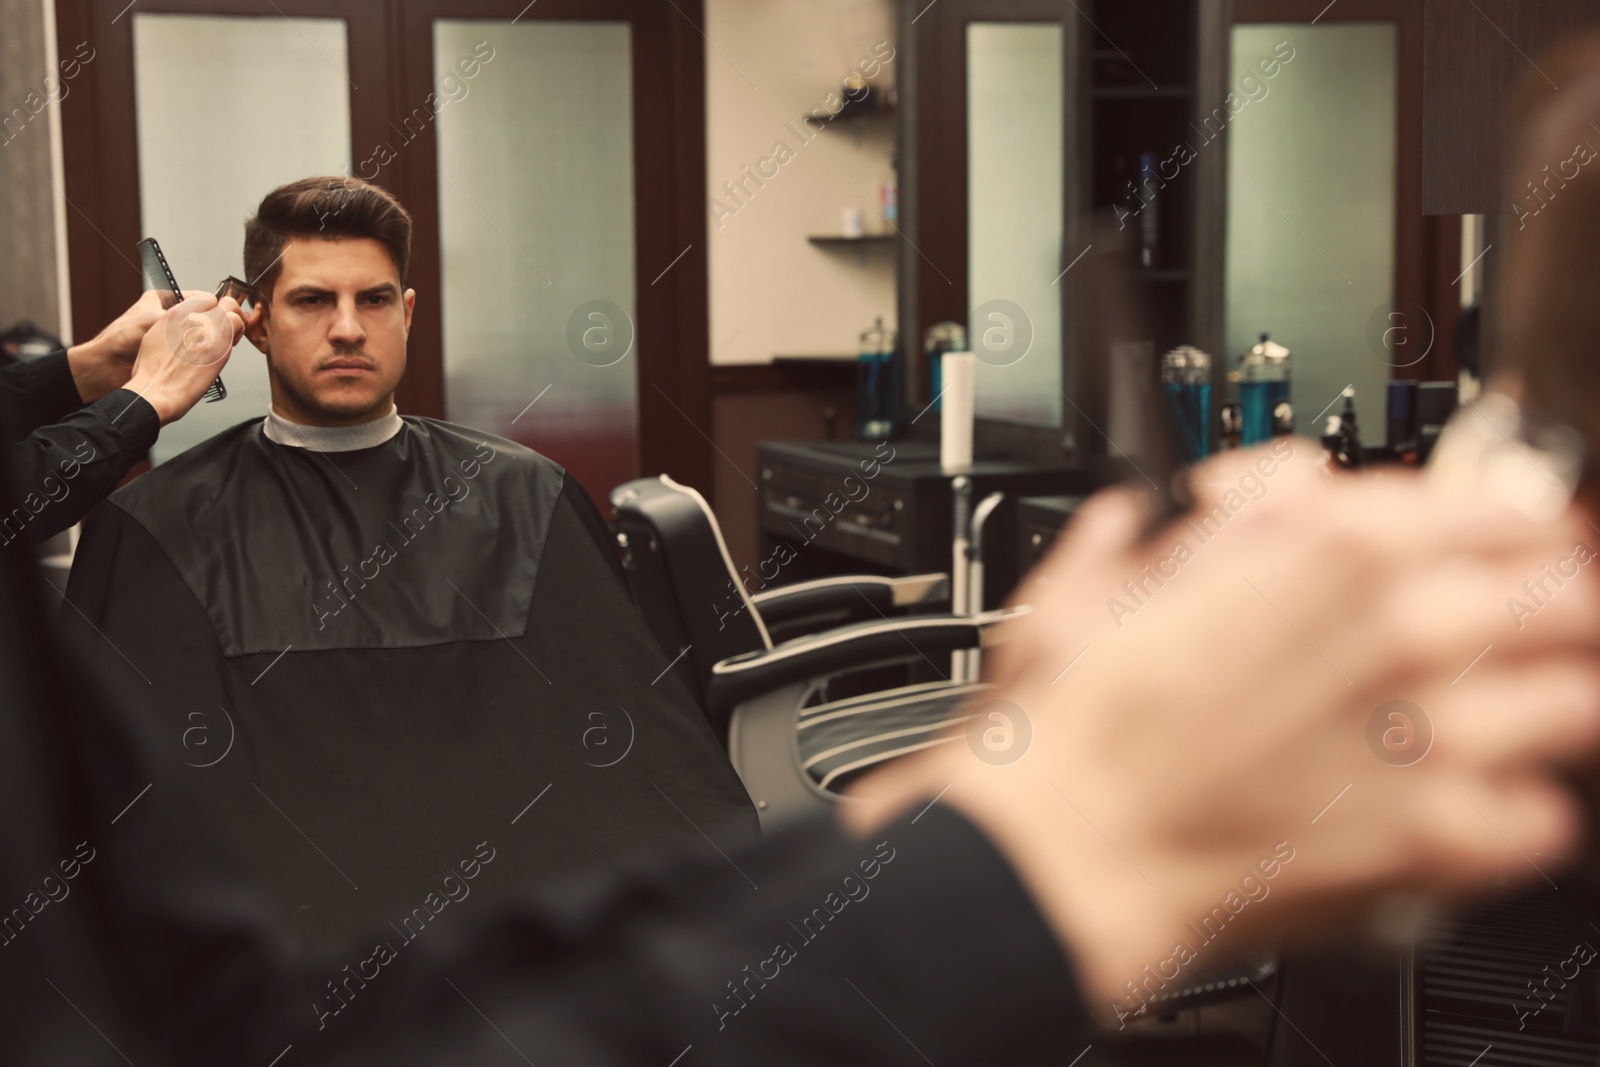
(347, 328)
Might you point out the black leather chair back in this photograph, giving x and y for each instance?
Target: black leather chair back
(684, 581)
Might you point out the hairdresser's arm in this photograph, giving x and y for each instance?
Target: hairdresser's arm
(92, 412)
(44, 390)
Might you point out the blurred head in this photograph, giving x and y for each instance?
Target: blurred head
(328, 258)
(1546, 330)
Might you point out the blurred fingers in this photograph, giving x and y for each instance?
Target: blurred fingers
(233, 315)
(1415, 521)
(1517, 713)
(1474, 829)
(1463, 605)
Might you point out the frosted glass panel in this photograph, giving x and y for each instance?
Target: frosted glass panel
(537, 240)
(229, 108)
(1311, 210)
(1015, 95)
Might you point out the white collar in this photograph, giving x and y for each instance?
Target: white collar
(281, 431)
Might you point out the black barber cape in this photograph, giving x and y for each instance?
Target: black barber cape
(402, 676)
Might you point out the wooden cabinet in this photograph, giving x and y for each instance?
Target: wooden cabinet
(1476, 55)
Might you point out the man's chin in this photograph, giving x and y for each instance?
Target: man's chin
(354, 414)
(337, 406)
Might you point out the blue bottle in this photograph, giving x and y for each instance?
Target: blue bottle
(1264, 392)
(877, 385)
(941, 337)
(1186, 373)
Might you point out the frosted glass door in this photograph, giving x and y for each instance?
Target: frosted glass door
(536, 219)
(1015, 160)
(228, 109)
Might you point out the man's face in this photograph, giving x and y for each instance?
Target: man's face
(334, 331)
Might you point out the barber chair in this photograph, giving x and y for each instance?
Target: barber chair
(794, 747)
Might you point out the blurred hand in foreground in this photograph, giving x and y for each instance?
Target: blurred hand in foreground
(1230, 708)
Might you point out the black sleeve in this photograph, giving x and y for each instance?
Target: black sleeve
(62, 470)
(36, 393)
(917, 945)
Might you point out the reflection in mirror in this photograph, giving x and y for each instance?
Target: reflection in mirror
(198, 183)
(1015, 98)
(1311, 214)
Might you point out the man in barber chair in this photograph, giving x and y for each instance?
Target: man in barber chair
(388, 646)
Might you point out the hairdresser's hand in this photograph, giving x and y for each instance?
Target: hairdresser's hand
(184, 352)
(106, 363)
(1218, 720)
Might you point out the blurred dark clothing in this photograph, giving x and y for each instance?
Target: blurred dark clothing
(129, 934)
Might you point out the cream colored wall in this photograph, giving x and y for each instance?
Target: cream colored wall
(769, 63)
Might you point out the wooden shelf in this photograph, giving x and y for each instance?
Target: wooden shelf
(876, 106)
(826, 240)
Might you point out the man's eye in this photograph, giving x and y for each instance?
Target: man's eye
(313, 300)
(378, 298)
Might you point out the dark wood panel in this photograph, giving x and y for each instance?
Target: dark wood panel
(1442, 245)
(1319, 11)
(810, 376)
(767, 403)
(1477, 55)
(675, 384)
(1207, 294)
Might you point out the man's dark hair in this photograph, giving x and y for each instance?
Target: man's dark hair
(326, 207)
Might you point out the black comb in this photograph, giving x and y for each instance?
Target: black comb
(1115, 315)
(158, 276)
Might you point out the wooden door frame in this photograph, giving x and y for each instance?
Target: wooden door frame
(939, 117)
(100, 145)
(933, 273)
(1427, 249)
(671, 308)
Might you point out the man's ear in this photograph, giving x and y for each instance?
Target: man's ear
(255, 327)
(409, 300)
